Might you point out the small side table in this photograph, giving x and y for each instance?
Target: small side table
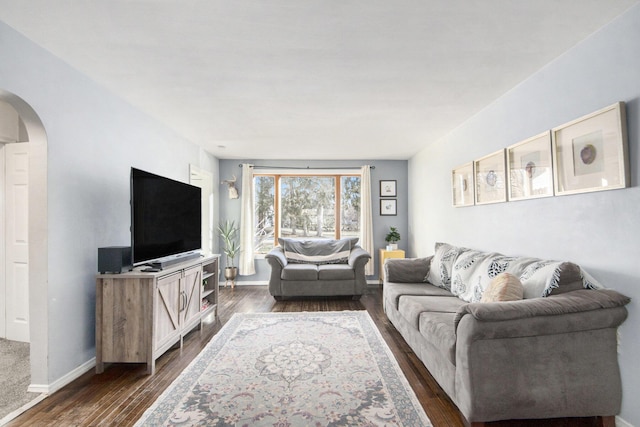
(384, 255)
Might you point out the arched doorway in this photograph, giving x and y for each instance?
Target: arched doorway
(34, 131)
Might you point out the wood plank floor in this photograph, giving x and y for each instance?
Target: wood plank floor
(120, 395)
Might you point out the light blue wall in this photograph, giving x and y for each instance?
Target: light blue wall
(384, 170)
(599, 231)
(93, 138)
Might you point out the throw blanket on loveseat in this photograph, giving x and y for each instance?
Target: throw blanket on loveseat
(317, 251)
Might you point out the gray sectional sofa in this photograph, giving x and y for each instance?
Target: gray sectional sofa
(552, 354)
(317, 268)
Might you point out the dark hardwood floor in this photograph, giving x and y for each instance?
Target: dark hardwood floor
(120, 395)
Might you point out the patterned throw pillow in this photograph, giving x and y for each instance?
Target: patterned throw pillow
(504, 287)
(442, 265)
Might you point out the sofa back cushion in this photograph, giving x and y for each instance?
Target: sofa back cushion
(321, 251)
(471, 271)
(544, 278)
(442, 265)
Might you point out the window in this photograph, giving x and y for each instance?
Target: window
(305, 207)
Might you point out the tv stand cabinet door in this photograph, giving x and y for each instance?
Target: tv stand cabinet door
(191, 298)
(166, 319)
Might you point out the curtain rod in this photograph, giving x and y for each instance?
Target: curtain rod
(303, 167)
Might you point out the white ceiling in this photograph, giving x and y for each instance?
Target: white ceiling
(318, 79)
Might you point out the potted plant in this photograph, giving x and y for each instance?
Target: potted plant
(392, 239)
(228, 232)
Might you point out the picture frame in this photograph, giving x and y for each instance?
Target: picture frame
(388, 188)
(591, 152)
(462, 185)
(490, 182)
(388, 207)
(530, 168)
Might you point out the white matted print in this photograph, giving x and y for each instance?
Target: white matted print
(388, 207)
(462, 185)
(490, 179)
(591, 153)
(529, 168)
(388, 188)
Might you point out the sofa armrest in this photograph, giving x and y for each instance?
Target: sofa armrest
(356, 254)
(584, 300)
(558, 354)
(407, 270)
(277, 254)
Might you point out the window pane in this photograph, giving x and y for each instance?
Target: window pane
(264, 197)
(350, 206)
(308, 207)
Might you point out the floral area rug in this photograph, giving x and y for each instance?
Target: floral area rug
(291, 369)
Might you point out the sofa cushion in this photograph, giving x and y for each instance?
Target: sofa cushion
(320, 251)
(544, 278)
(439, 330)
(411, 307)
(442, 265)
(336, 272)
(504, 287)
(393, 291)
(300, 272)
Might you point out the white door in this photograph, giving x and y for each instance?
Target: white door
(16, 241)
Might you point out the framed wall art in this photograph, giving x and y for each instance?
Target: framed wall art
(529, 168)
(462, 185)
(388, 207)
(490, 183)
(388, 188)
(591, 153)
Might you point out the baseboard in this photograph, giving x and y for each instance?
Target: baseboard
(246, 282)
(12, 415)
(622, 423)
(64, 380)
(372, 282)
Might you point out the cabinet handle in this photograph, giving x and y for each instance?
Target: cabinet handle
(183, 298)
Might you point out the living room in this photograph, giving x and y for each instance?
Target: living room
(92, 137)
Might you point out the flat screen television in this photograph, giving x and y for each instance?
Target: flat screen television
(165, 218)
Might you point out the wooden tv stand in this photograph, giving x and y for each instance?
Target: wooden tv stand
(141, 315)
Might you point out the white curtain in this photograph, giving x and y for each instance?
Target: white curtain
(366, 217)
(246, 263)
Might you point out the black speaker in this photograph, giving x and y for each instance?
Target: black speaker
(114, 259)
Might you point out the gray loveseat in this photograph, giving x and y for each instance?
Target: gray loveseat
(552, 354)
(317, 268)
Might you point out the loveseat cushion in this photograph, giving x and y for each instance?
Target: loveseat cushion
(336, 272)
(300, 272)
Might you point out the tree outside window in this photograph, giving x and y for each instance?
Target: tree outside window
(305, 207)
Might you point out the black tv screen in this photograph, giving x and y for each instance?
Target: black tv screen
(165, 217)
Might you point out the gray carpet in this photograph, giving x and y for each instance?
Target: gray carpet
(15, 376)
